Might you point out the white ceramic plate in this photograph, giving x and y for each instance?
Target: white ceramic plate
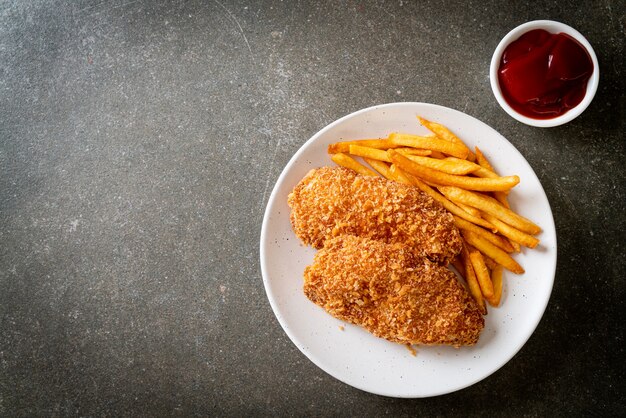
(356, 357)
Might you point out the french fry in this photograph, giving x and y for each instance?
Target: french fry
(345, 160)
(457, 166)
(482, 161)
(489, 262)
(468, 162)
(502, 199)
(482, 172)
(451, 207)
(512, 233)
(490, 250)
(482, 274)
(444, 133)
(344, 146)
(437, 154)
(516, 246)
(491, 207)
(477, 213)
(380, 166)
(399, 175)
(372, 153)
(489, 236)
(500, 195)
(472, 281)
(469, 246)
(429, 142)
(496, 279)
(466, 182)
(414, 151)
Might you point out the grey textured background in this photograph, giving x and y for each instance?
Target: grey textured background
(140, 141)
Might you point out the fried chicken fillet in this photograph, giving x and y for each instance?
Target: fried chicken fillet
(392, 293)
(332, 201)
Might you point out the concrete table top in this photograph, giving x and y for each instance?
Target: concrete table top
(139, 143)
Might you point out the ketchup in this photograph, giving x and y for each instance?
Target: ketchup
(543, 75)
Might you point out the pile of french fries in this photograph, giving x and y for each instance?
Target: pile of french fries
(467, 185)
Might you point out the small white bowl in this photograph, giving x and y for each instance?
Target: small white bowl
(552, 27)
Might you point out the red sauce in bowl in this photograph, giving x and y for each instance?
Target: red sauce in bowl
(543, 75)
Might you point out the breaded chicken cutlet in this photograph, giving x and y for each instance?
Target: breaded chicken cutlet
(332, 201)
(392, 293)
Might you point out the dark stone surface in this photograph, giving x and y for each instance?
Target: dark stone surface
(139, 144)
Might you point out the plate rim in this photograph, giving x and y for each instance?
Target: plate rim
(274, 304)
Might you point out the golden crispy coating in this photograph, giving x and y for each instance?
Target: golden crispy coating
(329, 202)
(392, 293)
